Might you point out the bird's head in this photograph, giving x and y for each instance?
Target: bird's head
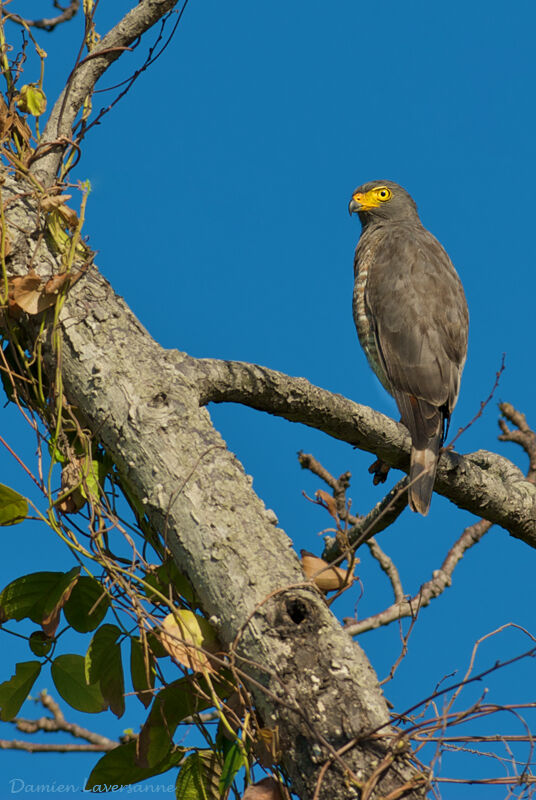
(382, 200)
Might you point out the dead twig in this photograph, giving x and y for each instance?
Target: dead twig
(94, 742)
(440, 580)
(483, 404)
(523, 436)
(47, 24)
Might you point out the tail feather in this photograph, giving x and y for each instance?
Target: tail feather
(422, 474)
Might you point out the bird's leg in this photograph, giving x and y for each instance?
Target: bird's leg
(380, 470)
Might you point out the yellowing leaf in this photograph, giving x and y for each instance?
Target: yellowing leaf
(32, 100)
(185, 636)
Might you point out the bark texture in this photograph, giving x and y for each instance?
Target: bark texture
(308, 677)
(146, 406)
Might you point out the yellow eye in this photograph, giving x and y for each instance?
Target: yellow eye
(383, 193)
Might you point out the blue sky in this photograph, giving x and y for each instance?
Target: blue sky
(219, 199)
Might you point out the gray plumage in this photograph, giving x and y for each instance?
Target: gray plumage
(412, 320)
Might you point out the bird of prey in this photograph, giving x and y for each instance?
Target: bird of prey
(412, 321)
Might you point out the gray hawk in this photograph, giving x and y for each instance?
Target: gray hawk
(412, 321)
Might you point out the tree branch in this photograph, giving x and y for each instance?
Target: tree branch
(484, 483)
(361, 526)
(48, 24)
(94, 742)
(388, 566)
(142, 403)
(524, 435)
(432, 588)
(59, 128)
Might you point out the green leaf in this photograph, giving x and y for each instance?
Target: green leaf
(178, 700)
(29, 595)
(13, 506)
(68, 674)
(119, 767)
(55, 454)
(142, 672)
(198, 777)
(40, 643)
(157, 648)
(87, 606)
(14, 692)
(234, 760)
(94, 475)
(103, 664)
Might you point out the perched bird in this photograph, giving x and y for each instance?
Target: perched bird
(412, 321)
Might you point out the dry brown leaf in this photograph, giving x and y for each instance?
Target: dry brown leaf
(12, 309)
(70, 479)
(6, 119)
(29, 295)
(54, 201)
(185, 635)
(328, 502)
(57, 282)
(25, 292)
(267, 789)
(22, 128)
(326, 577)
(70, 216)
(57, 203)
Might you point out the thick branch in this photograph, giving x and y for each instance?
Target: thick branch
(143, 405)
(484, 483)
(59, 128)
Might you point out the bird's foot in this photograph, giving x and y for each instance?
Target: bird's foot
(380, 471)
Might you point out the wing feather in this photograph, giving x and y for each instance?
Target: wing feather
(420, 321)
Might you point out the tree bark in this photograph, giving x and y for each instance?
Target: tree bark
(308, 678)
(146, 406)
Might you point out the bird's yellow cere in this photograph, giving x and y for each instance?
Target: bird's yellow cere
(373, 198)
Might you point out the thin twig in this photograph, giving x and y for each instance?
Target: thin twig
(524, 435)
(441, 579)
(57, 722)
(388, 566)
(47, 24)
(483, 404)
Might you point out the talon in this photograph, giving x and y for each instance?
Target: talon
(380, 470)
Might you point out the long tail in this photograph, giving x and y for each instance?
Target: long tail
(422, 473)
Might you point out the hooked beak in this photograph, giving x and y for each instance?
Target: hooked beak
(355, 204)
